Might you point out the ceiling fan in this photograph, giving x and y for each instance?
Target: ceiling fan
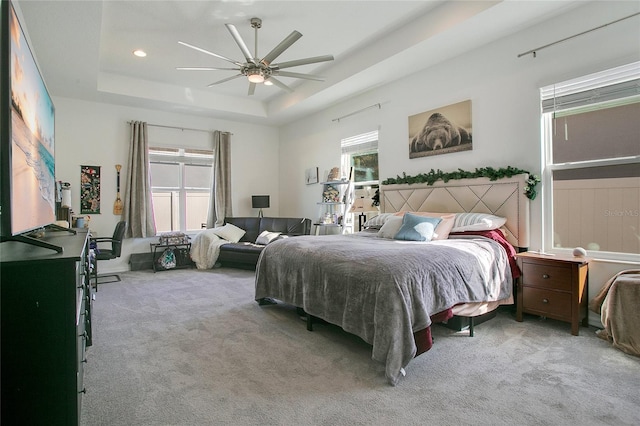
(260, 70)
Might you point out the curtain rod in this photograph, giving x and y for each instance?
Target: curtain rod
(358, 111)
(534, 51)
(179, 128)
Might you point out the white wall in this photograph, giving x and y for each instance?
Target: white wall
(96, 134)
(504, 91)
(265, 160)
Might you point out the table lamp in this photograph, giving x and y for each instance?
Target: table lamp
(260, 202)
(362, 206)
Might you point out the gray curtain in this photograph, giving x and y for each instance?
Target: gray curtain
(138, 207)
(220, 206)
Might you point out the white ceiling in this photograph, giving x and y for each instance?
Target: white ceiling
(84, 48)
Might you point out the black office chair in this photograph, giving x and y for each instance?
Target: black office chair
(109, 253)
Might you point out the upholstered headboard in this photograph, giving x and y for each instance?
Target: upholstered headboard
(503, 197)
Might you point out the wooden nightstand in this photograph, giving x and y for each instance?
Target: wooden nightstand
(553, 286)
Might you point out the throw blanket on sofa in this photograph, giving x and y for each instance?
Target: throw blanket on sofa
(205, 248)
(379, 289)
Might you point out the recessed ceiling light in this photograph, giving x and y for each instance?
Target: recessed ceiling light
(140, 53)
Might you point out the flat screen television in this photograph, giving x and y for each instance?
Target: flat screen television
(27, 150)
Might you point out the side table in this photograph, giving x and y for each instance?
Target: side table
(180, 253)
(553, 286)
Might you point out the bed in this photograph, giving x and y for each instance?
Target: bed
(389, 291)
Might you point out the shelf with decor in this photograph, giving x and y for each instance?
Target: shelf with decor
(336, 198)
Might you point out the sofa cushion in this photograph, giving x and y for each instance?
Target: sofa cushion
(245, 253)
(266, 237)
(229, 232)
(251, 226)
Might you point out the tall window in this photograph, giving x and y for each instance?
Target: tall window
(180, 182)
(361, 153)
(592, 174)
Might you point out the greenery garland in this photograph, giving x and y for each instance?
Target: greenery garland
(488, 172)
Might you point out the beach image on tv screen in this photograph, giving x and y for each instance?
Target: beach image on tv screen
(32, 139)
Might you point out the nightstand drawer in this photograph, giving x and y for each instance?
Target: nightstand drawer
(547, 302)
(547, 276)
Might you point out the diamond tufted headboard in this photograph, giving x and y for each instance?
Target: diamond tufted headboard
(502, 197)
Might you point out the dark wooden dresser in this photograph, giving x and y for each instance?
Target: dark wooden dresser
(553, 286)
(46, 327)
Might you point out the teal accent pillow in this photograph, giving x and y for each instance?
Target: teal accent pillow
(417, 228)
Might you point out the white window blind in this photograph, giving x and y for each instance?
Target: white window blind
(180, 155)
(360, 143)
(617, 83)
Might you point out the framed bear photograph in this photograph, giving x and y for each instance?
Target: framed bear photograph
(441, 131)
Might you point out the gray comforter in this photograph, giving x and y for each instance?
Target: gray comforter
(379, 289)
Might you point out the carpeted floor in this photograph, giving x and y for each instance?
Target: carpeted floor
(190, 347)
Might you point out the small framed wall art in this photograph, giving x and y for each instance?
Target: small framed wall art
(89, 189)
(311, 175)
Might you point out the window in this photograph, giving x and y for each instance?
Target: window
(592, 163)
(180, 187)
(361, 153)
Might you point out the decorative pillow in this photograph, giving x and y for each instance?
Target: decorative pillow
(266, 237)
(229, 232)
(417, 228)
(391, 227)
(443, 228)
(377, 221)
(477, 222)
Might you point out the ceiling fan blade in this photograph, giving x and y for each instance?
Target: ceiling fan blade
(284, 45)
(252, 89)
(298, 75)
(240, 42)
(205, 69)
(280, 84)
(305, 61)
(224, 80)
(209, 53)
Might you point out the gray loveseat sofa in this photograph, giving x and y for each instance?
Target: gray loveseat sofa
(244, 254)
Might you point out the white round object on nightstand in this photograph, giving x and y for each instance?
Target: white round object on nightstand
(579, 252)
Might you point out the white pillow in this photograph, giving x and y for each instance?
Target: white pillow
(266, 237)
(477, 222)
(229, 232)
(377, 221)
(391, 227)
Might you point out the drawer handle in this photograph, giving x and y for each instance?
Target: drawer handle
(546, 276)
(84, 390)
(545, 300)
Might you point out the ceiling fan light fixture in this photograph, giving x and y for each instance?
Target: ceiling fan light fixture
(256, 70)
(255, 76)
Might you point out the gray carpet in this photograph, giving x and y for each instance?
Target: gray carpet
(189, 347)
